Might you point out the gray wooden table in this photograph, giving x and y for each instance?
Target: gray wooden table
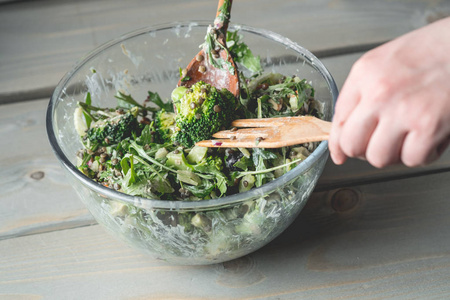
(364, 233)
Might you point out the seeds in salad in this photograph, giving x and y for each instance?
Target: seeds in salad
(202, 69)
(101, 149)
(217, 108)
(184, 193)
(215, 54)
(199, 57)
(193, 105)
(198, 116)
(184, 73)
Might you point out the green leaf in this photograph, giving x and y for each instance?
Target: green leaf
(126, 101)
(146, 135)
(156, 99)
(86, 112)
(162, 185)
(244, 163)
(242, 54)
(202, 190)
(259, 157)
(128, 169)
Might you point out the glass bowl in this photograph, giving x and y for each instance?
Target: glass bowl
(232, 226)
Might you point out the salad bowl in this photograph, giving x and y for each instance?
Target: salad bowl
(184, 232)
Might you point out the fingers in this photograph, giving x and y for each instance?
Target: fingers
(419, 149)
(385, 145)
(347, 101)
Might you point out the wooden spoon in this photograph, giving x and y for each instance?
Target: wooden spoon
(214, 64)
(271, 133)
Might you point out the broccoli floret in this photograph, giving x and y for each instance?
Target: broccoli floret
(202, 111)
(114, 129)
(165, 126)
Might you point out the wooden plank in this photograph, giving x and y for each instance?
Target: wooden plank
(34, 195)
(41, 40)
(384, 240)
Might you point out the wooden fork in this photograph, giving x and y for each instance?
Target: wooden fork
(271, 133)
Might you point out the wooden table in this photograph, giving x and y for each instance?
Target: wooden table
(365, 233)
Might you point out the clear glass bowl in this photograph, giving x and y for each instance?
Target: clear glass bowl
(149, 59)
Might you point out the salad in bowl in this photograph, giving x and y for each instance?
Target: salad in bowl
(125, 135)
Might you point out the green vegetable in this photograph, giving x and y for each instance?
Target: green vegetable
(114, 129)
(197, 154)
(165, 126)
(242, 54)
(201, 112)
(247, 183)
(177, 160)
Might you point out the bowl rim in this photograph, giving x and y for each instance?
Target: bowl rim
(177, 204)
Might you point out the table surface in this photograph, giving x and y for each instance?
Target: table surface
(364, 233)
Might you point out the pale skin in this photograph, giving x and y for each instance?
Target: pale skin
(395, 104)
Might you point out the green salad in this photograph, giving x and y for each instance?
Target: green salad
(148, 148)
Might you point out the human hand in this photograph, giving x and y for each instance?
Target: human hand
(395, 104)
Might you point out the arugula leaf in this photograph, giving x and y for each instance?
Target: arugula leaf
(156, 99)
(126, 101)
(202, 190)
(128, 169)
(210, 167)
(259, 157)
(146, 135)
(162, 185)
(244, 163)
(242, 54)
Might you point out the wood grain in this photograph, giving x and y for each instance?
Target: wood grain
(41, 40)
(379, 240)
(34, 194)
